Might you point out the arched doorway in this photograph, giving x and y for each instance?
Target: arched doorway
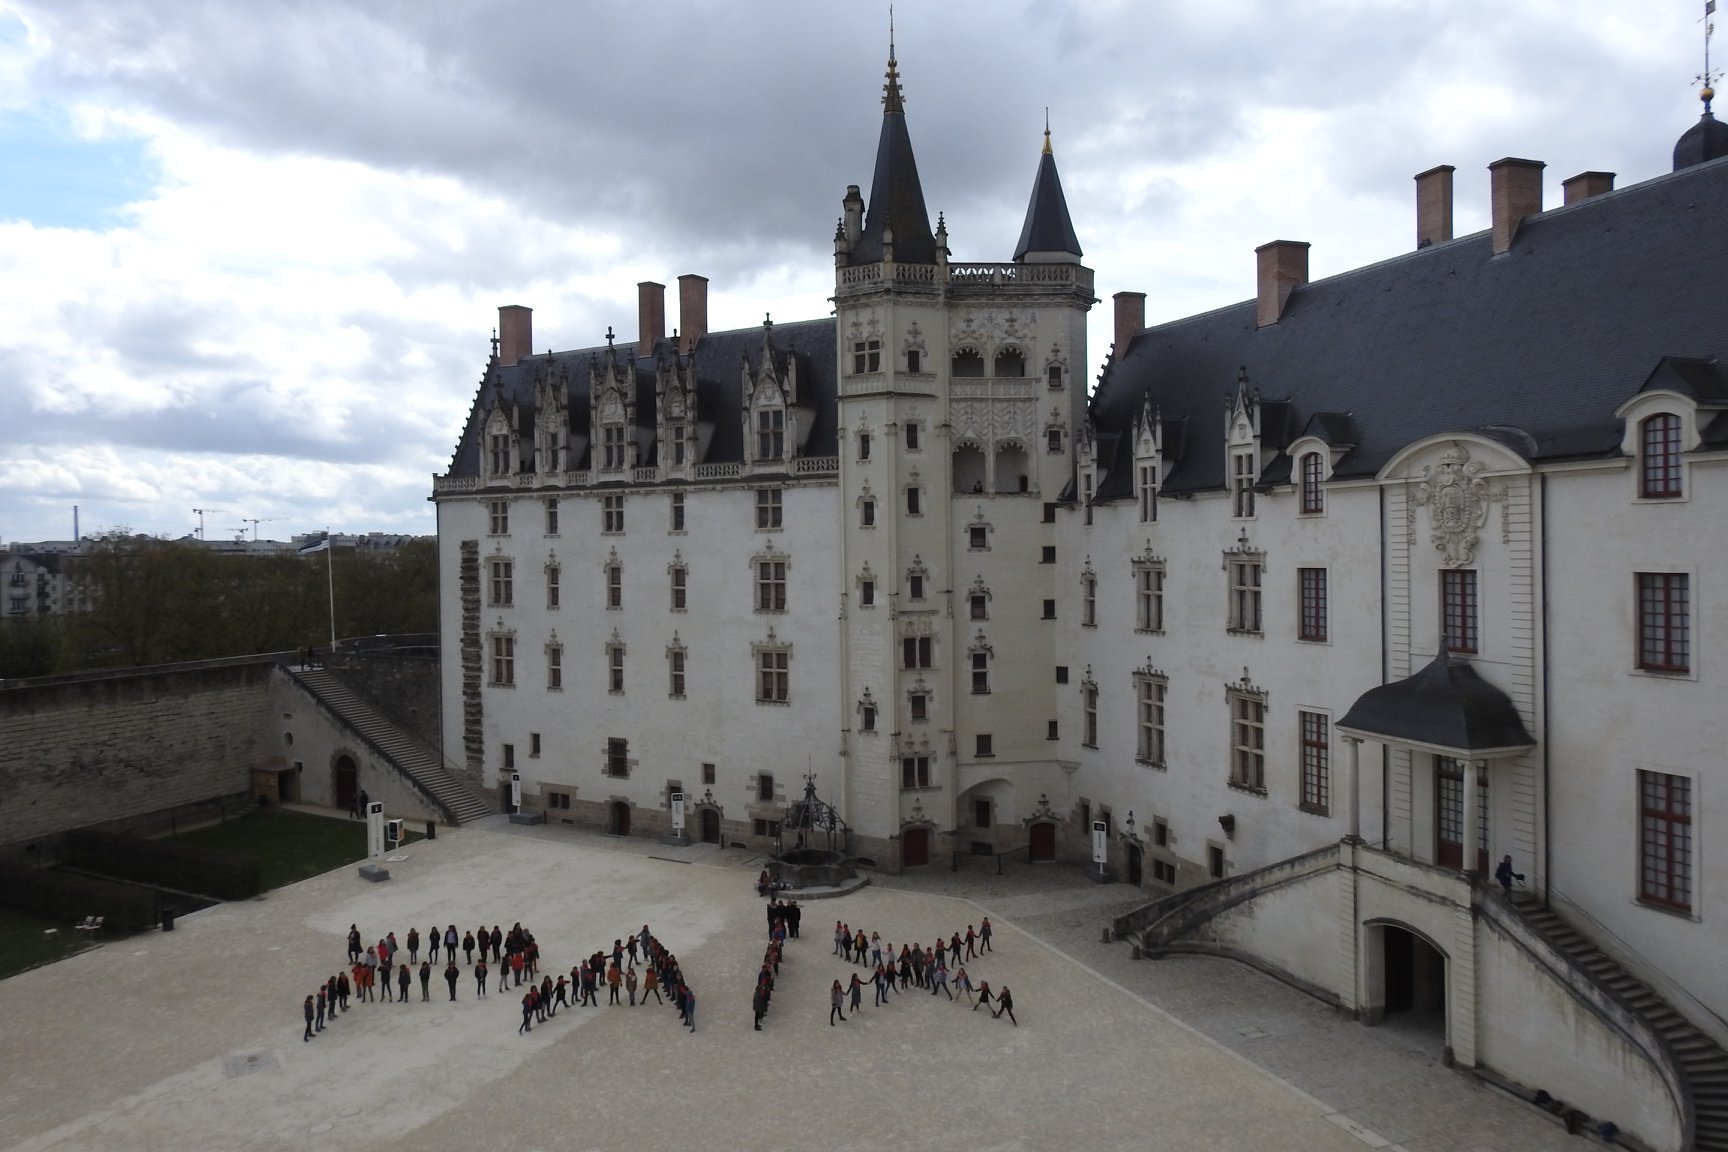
(915, 847)
(1406, 981)
(618, 818)
(710, 826)
(1043, 843)
(1134, 865)
(347, 782)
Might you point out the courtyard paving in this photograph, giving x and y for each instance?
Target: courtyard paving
(191, 1039)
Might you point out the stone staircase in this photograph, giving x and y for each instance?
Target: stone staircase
(411, 757)
(1702, 1062)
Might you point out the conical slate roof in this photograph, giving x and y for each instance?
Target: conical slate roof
(1047, 227)
(896, 196)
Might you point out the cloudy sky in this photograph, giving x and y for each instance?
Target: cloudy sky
(251, 251)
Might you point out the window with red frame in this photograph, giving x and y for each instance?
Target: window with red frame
(1664, 622)
(1665, 840)
(1458, 610)
(1316, 763)
(1659, 448)
(1313, 474)
(1312, 582)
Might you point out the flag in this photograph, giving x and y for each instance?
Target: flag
(1709, 6)
(322, 545)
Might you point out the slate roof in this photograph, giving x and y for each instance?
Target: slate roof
(1445, 705)
(896, 196)
(1704, 141)
(1047, 227)
(719, 389)
(1536, 347)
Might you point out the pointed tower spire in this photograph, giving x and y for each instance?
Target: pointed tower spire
(896, 223)
(1048, 234)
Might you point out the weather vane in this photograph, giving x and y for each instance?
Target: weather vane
(1707, 78)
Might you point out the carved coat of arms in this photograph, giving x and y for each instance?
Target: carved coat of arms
(1457, 497)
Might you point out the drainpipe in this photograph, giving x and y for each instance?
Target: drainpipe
(1385, 765)
(1547, 747)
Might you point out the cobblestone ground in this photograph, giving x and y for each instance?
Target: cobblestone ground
(192, 1039)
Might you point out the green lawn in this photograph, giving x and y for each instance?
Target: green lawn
(288, 846)
(23, 945)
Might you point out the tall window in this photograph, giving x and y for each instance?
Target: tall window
(675, 671)
(615, 585)
(680, 587)
(773, 681)
(1053, 376)
(617, 756)
(1458, 610)
(1248, 741)
(867, 356)
(978, 538)
(915, 585)
(916, 652)
(675, 433)
(771, 434)
(1664, 622)
(498, 517)
(1665, 840)
(914, 505)
(866, 593)
(771, 586)
(677, 512)
(552, 586)
(863, 446)
(1311, 585)
(1316, 762)
(1089, 714)
(1313, 477)
(1089, 600)
(504, 661)
(1659, 451)
(554, 667)
(919, 703)
(503, 583)
(768, 508)
(499, 445)
(1242, 477)
(551, 517)
(612, 513)
(914, 771)
(612, 448)
(1053, 440)
(978, 605)
(912, 436)
(1245, 593)
(867, 512)
(1149, 718)
(1147, 486)
(615, 668)
(980, 673)
(914, 361)
(1149, 597)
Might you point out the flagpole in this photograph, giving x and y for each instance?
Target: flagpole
(330, 579)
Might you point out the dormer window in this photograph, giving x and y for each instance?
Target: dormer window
(612, 448)
(770, 434)
(1313, 479)
(499, 443)
(1243, 473)
(1146, 488)
(1659, 457)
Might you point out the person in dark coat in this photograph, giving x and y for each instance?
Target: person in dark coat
(403, 976)
(480, 977)
(759, 1003)
(425, 980)
(311, 1010)
(354, 946)
(451, 974)
(1005, 1003)
(527, 1024)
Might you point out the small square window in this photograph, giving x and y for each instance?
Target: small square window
(1061, 673)
(985, 745)
(1049, 609)
(920, 706)
(977, 538)
(1047, 555)
(1053, 440)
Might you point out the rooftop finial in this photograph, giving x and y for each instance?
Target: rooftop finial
(1046, 129)
(1706, 78)
(892, 104)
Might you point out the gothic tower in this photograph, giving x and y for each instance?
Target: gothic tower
(961, 389)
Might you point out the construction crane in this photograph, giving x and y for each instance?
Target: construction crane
(255, 521)
(201, 513)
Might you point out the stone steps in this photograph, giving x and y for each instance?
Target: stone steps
(1702, 1061)
(407, 754)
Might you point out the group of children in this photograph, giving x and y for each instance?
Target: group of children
(660, 970)
(917, 966)
(782, 925)
(374, 968)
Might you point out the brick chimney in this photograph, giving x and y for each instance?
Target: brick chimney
(1587, 184)
(692, 310)
(650, 316)
(1434, 205)
(1516, 192)
(515, 334)
(1130, 318)
(1282, 267)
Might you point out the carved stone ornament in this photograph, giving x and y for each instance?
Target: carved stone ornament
(1457, 497)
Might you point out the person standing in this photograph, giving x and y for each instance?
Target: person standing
(651, 983)
(983, 995)
(480, 978)
(311, 1009)
(342, 989)
(630, 977)
(759, 1002)
(1005, 1003)
(1505, 875)
(614, 980)
(879, 978)
(413, 945)
(385, 964)
(516, 964)
(425, 981)
(330, 998)
(353, 944)
(547, 1008)
(839, 935)
(971, 943)
(321, 1006)
(468, 949)
(433, 939)
(451, 939)
(364, 803)
(527, 1024)
(836, 1001)
(940, 982)
(964, 983)
(503, 977)
(403, 976)
(689, 1007)
(560, 994)
(856, 988)
(497, 940)
(451, 975)
(984, 936)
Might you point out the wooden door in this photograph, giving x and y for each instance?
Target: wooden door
(620, 823)
(710, 826)
(1134, 865)
(346, 780)
(915, 847)
(1043, 842)
(1449, 815)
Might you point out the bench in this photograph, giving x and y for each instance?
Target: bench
(90, 924)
